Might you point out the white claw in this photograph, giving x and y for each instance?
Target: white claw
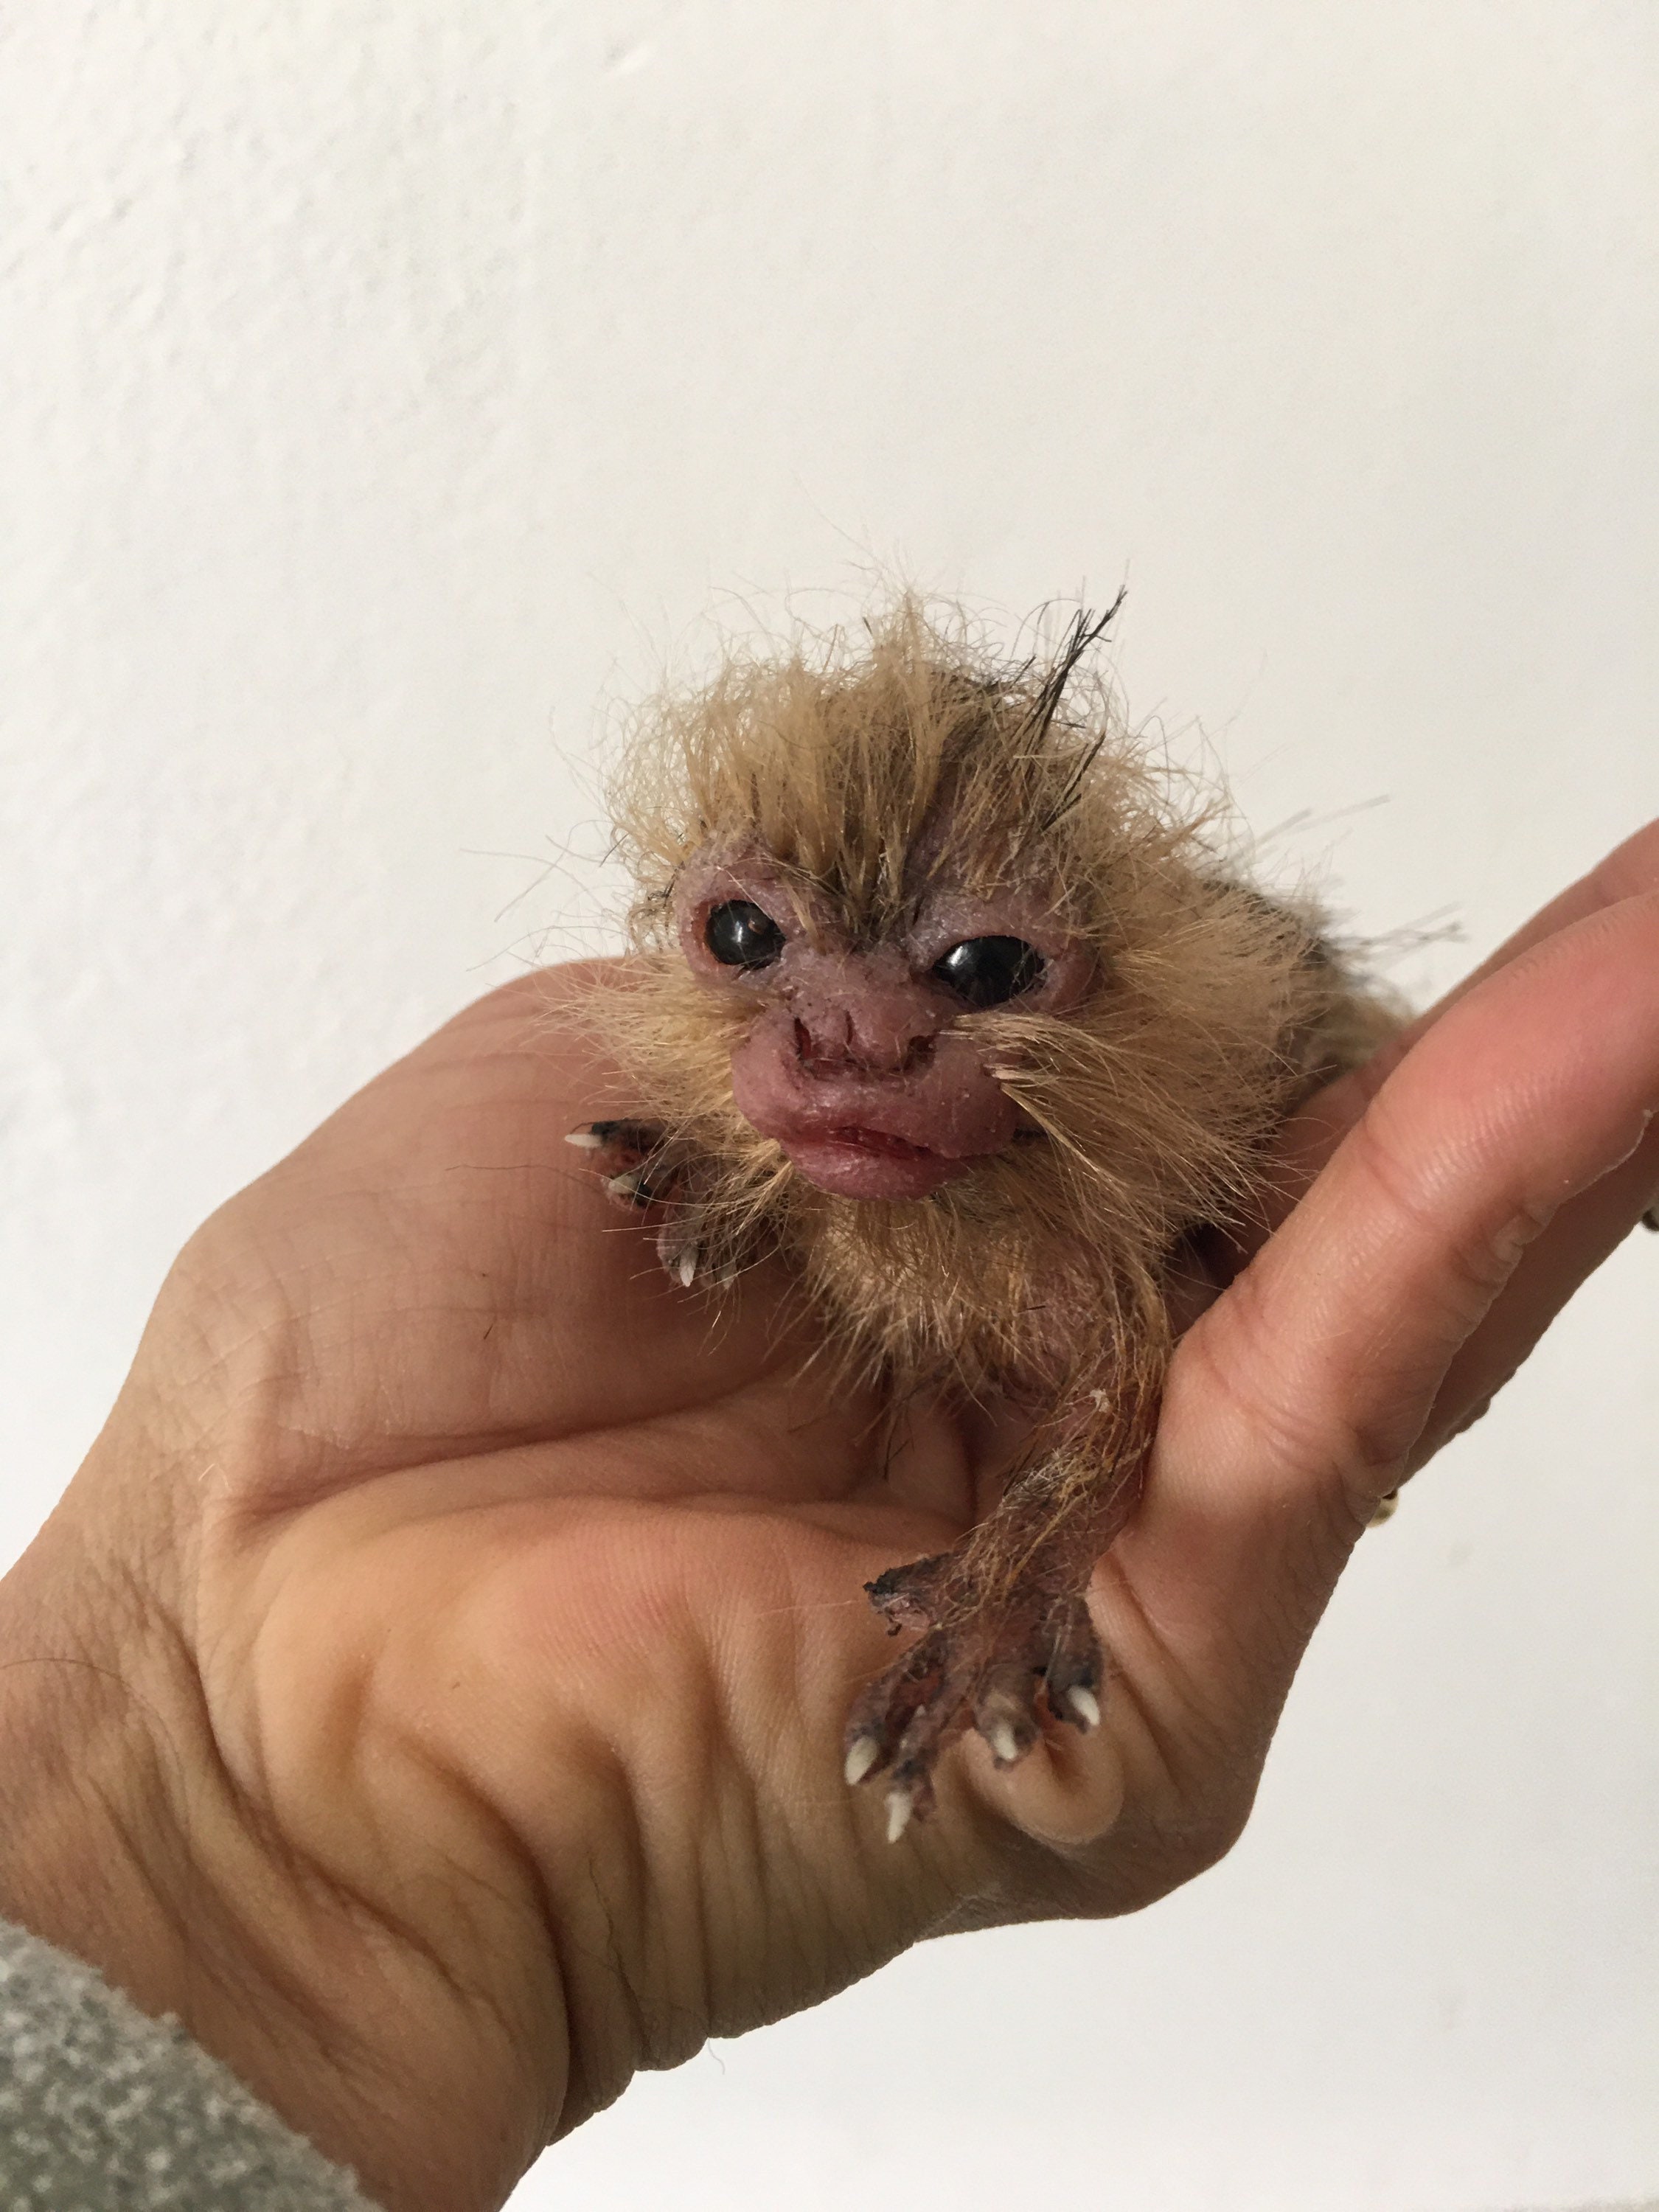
(862, 1754)
(585, 1140)
(900, 1804)
(1003, 1742)
(685, 1266)
(623, 1185)
(1084, 1703)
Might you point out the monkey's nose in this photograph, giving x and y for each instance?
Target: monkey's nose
(885, 1033)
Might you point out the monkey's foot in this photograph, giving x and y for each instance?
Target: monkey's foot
(998, 1667)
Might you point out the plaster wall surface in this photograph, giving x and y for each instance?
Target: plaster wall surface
(389, 388)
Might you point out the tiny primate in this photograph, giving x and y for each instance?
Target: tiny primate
(941, 992)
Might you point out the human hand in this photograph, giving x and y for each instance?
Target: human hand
(443, 1655)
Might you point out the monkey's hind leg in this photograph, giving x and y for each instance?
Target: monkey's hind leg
(1006, 1637)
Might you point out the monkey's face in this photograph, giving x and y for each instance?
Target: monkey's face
(860, 1059)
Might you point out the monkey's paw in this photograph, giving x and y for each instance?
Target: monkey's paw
(997, 1665)
(641, 1168)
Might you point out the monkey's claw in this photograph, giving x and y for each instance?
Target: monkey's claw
(1001, 1666)
(677, 1249)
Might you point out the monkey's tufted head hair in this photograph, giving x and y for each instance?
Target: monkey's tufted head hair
(865, 774)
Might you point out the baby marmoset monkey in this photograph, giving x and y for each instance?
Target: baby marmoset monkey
(940, 993)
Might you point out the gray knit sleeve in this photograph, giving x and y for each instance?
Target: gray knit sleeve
(104, 2110)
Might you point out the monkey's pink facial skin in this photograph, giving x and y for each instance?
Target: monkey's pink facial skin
(860, 1061)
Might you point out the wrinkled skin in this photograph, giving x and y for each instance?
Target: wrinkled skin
(432, 1685)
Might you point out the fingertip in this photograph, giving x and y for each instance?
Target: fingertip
(1065, 1793)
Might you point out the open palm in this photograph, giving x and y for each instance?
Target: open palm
(509, 1595)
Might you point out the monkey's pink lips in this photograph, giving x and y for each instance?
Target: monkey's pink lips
(878, 1141)
(855, 1162)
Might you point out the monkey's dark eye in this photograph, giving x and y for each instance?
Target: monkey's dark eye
(739, 935)
(988, 971)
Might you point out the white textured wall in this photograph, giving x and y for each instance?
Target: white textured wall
(387, 383)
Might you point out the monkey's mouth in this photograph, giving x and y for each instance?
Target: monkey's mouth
(879, 1141)
(856, 1162)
